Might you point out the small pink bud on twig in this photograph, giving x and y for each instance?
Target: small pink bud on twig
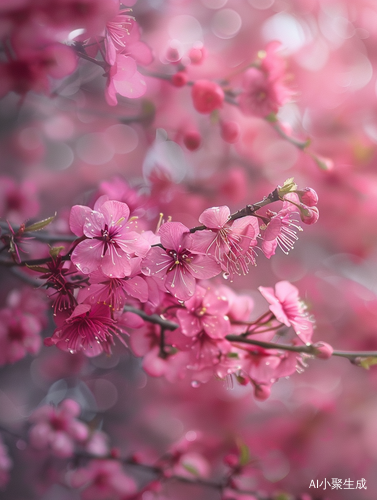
(323, 350)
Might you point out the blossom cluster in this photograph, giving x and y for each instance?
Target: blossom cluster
(43, 42)
(116, 277)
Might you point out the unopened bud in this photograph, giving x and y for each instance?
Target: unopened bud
(262, 392)
(232, 460)
(179, 79)
(196, 55)
(207, 96)
(309, 215)
(192, 140)
(308, 196)
(323, 350)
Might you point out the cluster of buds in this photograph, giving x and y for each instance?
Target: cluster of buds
(304, 199)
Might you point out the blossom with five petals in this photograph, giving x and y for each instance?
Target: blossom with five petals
(178, 262)
(109, 242)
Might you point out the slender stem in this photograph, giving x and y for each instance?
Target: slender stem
(102, 64)
(271, 345)
(160, 470)
(248, 210)
(304, 349)
(152, 318)
(299, 144)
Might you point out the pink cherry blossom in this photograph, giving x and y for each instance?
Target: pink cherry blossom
(21, 323)
(109, 242)
(124, 79)
(102, 480)
(177, 263)
(57, 429)
(280, 230)
(18, 201)
(123, 36)
(206, 310)
(207, 96)
(288, 308)
(231, 243)
(115, 291)
(88, 328)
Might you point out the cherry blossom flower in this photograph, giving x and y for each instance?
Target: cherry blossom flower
(265, 366)
(177, 263)
(18, 201)
(207, 96)
(110, 243)
(57, 429)
(124, 78)
(123, 36)
(19, 335)
(88, 328)
(206, 310)
(101, 480)
(146, 342)
(33, 68)
(21, 323)
(287, 307)
(280, 230)
(115, 291)
(264, 90)
(231, 243)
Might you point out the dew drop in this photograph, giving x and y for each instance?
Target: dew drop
(195, 384)
(146, 271)
(226, 276)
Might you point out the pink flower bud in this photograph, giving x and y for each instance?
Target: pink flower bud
(192, 140)
(207, 96)
(230, 131)
(262, 392)
(309, 215)
(309, 197)
(231, 459)
(179, 79)
(323, 350)
(196, 55)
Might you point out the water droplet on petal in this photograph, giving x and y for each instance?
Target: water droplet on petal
(146, 271)
(195, 384)
(226, 276)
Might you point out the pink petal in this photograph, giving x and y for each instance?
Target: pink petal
(77, 219)
(99, 202)
(115, 264)
(203, 267)
(140, 52)
(180, 283)
(87, 255)
(215, 217)
(115, 213)
(203, 242)
(216, 326)
(190, 324)
(153, 364)
(269, 294)
(137, 288)
(131, 87)
(286, 292)
(171, 234)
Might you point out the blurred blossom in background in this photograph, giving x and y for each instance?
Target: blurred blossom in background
(289, 91)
